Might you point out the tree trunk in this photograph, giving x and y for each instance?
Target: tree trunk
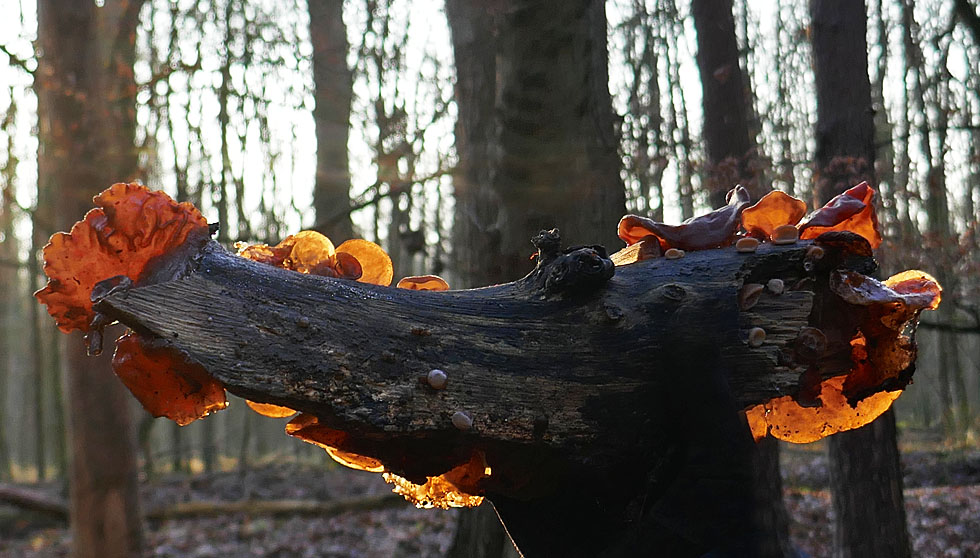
(866, 484)
(726, 102)
(86, 112)
(332, 83)
(535, 132)
(536, 150)
(732, 160)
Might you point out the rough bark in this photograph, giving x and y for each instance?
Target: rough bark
(728, 141)
(608, 415)
(86, 111)
(866, 484)
(333, 83)
(535, 132)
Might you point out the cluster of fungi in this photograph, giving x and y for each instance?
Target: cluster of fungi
(138, 237)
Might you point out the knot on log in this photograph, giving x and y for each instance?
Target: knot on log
(575, 270)
(548, 244)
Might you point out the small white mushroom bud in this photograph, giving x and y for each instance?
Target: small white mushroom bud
(749, 295)
(437, 379)
(462, 420)
(747, 245)
(674, 254)
(775, 286)
(757, 336)
(785, 234)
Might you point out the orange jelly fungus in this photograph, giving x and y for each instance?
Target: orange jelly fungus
(711, 230)
(423, 283)
(783, 418)
(308, 428)
(879, 352)
(775, 209)
(164, 381)
(454, 488)
(129, 227)
(313, 253)
(852, 211)
(270, 410)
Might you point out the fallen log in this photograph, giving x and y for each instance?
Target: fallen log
(276, 508)
(598, 406)
(33, 500)
(57, 508)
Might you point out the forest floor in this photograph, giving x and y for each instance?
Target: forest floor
(942, 500)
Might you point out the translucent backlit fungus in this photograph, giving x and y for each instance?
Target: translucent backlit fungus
(423, 283)
(131, 237)
(881, 352)
(775, 209)
(166, 383)
(674, 254)
(457, 487)
(852, 211)
(270, 410)
(756, 337)
(311, 252)
(711, 230)
(375, 263)
(785, 419)
(130, 229)
(307, 427)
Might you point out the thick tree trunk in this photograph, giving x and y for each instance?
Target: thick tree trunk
(606, 408)
(536, 145)
(535, 133)
(333, 83)
(866, 484)
(86, 112)
(726, 102)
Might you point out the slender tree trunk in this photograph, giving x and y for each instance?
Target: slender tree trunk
(731, 150)
(86, 120)
(866, 477)
(333, 83)
(726, 102)
(12, 291)
(537, 150)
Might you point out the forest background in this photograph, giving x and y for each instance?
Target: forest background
(359, 119)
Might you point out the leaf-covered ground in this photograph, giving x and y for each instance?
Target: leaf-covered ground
(942, 499)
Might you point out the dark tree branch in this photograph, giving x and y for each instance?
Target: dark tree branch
(16, 60)
(968, 15)
(621, 386)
